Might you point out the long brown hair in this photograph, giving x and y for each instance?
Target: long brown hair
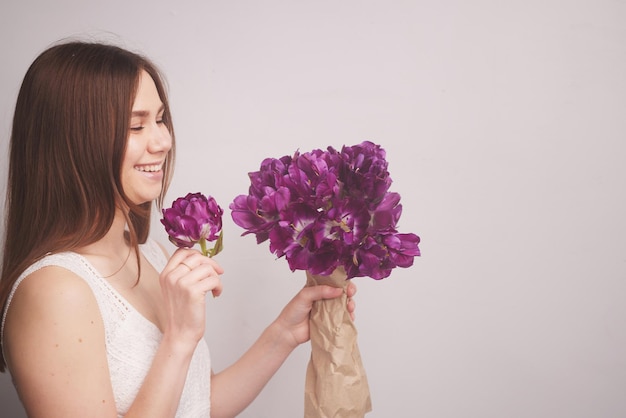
(69, 136)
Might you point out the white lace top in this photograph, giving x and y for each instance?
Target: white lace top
(131, 339)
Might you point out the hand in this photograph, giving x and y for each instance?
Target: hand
(294, 318)
(185, 281)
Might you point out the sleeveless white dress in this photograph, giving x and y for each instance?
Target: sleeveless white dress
(131, 339)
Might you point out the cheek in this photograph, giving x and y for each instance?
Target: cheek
(130, 158)
(126, 176)
(132, 154)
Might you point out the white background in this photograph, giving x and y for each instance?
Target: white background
(504, 124)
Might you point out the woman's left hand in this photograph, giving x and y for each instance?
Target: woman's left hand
(294, 318)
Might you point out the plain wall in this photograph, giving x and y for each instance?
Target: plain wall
(504, 124)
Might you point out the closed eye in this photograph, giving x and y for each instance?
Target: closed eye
(161, 117)
(141, 116)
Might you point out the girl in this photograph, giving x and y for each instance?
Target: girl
(97, 320)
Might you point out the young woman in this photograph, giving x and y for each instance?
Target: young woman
(97, 320)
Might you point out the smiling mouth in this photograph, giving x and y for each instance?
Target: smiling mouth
(152, 168)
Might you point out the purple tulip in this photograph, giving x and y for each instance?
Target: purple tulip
(402, 248)
(194, 219)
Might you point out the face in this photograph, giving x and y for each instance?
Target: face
(148, 144)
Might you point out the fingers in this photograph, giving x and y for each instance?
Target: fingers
(184, 261)
(351, 289)
(351, 306)
(203, 278)
(188, 259)
(315, 293)
(191, 259)
(188, 268)
(328, 292)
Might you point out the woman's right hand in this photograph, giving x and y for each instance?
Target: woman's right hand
(185, 281)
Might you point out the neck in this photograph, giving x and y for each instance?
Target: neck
(114, 243)
(112, 255)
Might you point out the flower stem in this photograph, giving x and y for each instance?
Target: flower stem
(203, 247)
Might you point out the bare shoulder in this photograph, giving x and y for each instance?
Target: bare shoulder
(50, 292)
(54, 342)
(46, 304)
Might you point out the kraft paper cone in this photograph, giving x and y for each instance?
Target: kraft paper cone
(336, 385)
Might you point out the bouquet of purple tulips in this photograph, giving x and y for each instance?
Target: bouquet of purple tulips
(326, 209)
(331, 214)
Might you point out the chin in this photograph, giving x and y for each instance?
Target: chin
(140, 199)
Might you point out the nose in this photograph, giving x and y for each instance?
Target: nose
(160, 139)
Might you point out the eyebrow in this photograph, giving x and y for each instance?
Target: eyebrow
(145, 113)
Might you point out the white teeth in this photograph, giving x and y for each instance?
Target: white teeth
(148, 168)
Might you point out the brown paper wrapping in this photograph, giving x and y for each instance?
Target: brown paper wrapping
(336, 385)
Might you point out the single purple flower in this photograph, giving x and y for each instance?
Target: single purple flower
(258, 215)
(269, 175)
(387, 213)
(371, 259)
(194, 219)
(402, 248)
(363, 171)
